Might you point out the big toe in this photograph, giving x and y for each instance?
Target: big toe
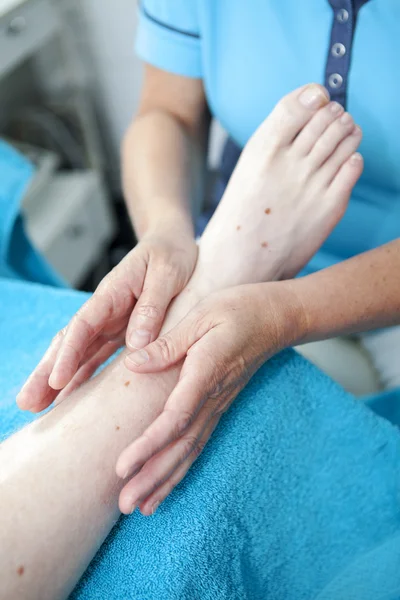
(293, 112)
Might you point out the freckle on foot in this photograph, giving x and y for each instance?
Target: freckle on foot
(21, 570)
(117, 428)
(127, 383)
(304, 179)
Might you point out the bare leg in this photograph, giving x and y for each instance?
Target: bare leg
(58, 484)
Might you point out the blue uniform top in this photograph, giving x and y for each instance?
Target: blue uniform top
(250, 54)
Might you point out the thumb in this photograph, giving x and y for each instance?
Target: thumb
(171, 347)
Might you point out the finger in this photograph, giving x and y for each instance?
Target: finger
(198, 380)
(90, 367)
(45, 401)
(151, 503)
(113, 299)
(98, 343)
(163, 466)
(149, 312)
(168, 349)
(36, 389)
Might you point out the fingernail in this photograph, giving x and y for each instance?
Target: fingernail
(26, 402)
(125, 475)
(131, 472)
(355, 158)
(312, 97)
(138, 358)
(140, 338)
(154, 507)
(53, 378)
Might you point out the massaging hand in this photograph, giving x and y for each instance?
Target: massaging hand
(129, 304)
(223, 341)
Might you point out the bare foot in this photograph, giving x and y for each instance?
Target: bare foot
(288, 191)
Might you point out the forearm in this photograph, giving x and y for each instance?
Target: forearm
(163, 172)
(59, 489)
(359, 294)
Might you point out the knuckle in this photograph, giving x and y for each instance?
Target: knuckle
(115, 295)
(170, 269)
(184, 420)
(83, 323)
(107, 283)
(218, 388)
(199, 448)
(189, 445)
(72, 352)
(165, 348)
(59, 335)
(149, 311)
(155, 485)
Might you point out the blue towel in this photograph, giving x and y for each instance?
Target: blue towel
(297, 496)
(18, 258)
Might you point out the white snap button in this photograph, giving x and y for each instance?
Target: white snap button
(338, 50)
(335, 81)
(342, 15)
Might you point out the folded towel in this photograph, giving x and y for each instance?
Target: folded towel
(18, 258)
(297, 496)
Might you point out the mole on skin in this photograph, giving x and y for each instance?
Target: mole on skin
(267, 211)
(264, 245)
(127, 383)
(21, 570)
(238, 228)
(117, 428)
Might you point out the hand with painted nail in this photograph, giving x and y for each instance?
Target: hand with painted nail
(128, 305)
(223, 341)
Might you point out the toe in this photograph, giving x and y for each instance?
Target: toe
(341, 154)
(292, 113)
(327, 143)
(346, 178)
(313, 130)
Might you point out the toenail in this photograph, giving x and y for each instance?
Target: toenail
(313, 97)
(346, 119)
(355, 158)
(335, 107)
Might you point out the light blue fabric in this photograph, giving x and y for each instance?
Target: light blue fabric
(252, 53)
(18, 258)
(295, 497)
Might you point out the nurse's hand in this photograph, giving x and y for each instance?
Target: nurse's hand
(129, 304)
(223, 341)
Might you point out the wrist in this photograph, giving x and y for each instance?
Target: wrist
(168, 222)
(282, 299)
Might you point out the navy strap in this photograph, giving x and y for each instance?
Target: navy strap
(339, 52)
(336, 73)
